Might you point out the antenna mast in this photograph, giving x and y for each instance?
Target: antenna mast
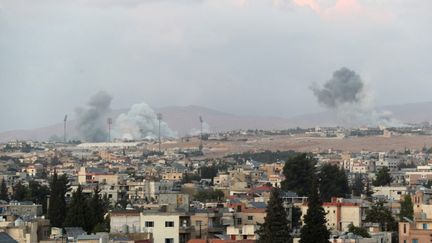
(109, 128)
(159, 117)
(201, 133)
(64, 128)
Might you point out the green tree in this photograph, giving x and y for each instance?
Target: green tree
(407, 209)
(358, 186)
(19, 192)
(380, 214)
(209, 195)
(4, 195)
(299, 173)
(383, 177)
(314, 229)
(98, 207)
(275, 226)
(333, 182)
(358, 231)
(78, 212)
(38, 193)
(57, 202)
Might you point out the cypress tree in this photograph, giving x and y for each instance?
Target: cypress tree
(383, 177)
(333, 182)
(314, 229)
(19, 192)
(97, 209)
(4, 191)
(78, 212)
(358, 186)
(275, 226)
(298, 172)
(407, 209)
(57, 201)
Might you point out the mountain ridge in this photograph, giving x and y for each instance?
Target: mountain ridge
(185, 120)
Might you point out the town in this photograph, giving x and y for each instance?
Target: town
(188, 190)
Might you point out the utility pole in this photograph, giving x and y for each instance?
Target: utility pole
(159, 117)
(201, 133)
(64, 128)
(109, 128)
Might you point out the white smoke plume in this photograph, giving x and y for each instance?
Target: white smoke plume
(140, 122)
(197, 131)
(92, 121)
(345, 94)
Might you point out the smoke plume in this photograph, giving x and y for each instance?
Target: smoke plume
(140, 122)
(345, 94)
(92, 121)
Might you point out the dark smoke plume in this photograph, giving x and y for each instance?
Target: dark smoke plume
(91, 123)
(344, 87)
(345, 94)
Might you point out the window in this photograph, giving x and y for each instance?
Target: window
(415, 241)
(239, 221)
(404, 228)
(425, 226)
(149, 224)
(169, 223)
(250, 218)
(198, 223)
(169, 240)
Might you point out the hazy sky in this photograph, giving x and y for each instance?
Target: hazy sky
(255, 57)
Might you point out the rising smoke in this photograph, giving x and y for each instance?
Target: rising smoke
(345, 94)
(140, 122)
(91, 122)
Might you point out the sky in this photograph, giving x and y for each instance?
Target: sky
(250, 57)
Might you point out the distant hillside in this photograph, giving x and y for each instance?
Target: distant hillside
(185, 120)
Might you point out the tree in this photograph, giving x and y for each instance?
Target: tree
(314, 229)
(380, 214)
(407, 209)
(209, 195)
(333, 182)
(383, 177)
(358, 186)
(78, 213)
(19, 192)
(4, 195)
(358, 231)
(275, 226)
(98, 209)
(57, 202)
(38, 193)
(299, 173)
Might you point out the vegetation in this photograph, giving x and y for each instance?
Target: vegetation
(88, 213)
(407, 209)
(383, 177)
(299, 173)
(275, 226)
(209, 195)
(78, 212)
(358, 231)
(358, 186)
(19, 192)
(4, 195)
(265, 157)
(57, 210)
(314, 229)
(333, 182)
(380, 214)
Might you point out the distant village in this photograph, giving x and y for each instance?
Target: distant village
(140, 191)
